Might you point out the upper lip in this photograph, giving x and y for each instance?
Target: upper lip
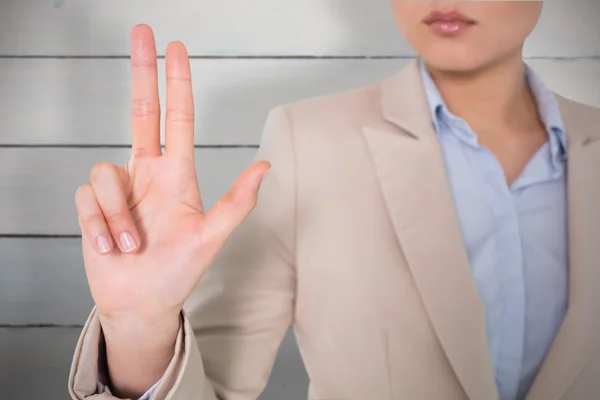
(450, 16)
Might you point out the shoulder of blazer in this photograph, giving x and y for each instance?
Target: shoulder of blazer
(352, 105)
(582, 109)
(584, 116)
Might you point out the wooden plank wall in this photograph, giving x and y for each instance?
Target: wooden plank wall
(64, 96)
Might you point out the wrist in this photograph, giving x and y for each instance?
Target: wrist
(138, 350)
(139, 331)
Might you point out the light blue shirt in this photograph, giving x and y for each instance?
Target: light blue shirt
(515, 237)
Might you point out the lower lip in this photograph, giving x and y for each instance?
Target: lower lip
(449, 27)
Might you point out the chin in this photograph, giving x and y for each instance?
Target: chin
(453, 63)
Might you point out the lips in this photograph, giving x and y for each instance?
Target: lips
(448, 23)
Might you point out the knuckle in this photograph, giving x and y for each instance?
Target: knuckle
(117, 218)
(144, 108)
(139, 151)
(147, 63)
(179, 78)
(101, 170)
(94, 219)
(180, 115)
(82, 193)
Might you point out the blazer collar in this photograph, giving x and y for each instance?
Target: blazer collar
(409, 164)
(579, 334)
(404, 102)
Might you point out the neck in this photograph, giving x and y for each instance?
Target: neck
(490, 98)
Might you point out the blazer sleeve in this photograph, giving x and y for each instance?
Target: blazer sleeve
(234, 322)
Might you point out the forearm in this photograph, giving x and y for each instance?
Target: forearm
(138, 353)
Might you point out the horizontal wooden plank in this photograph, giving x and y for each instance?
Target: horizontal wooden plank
(37, 186)
(35, 362)
(35, 365)
(43, 282)
(265, 27)
(87, 101)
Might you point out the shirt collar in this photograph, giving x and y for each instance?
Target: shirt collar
(546, 101)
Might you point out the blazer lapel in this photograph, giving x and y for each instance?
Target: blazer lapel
(409, 164)
(580, 332)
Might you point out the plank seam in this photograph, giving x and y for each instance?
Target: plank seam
(39, 326)
(116, 146)
(38, 236)
(272, 57)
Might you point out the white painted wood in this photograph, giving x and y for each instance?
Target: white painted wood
(35, 365)
(261, 27)
(35, 362)
(37, 186)
(87, 101)
(43, 282)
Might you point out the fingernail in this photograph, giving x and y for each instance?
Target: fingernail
(264, 175)
(103, 244)
(127, 242)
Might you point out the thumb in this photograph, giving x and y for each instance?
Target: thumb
(231, 210)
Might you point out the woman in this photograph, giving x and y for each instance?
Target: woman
(415, 233)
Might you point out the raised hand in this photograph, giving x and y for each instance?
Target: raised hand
(147, 239)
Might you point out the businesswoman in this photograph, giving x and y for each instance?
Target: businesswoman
(434, 236)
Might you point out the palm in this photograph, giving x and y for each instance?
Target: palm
(163, 222)
(178, 241)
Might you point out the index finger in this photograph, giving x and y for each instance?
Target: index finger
(145, 105)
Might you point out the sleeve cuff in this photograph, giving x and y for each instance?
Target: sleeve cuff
(88, 377)
(103, 387)
(146, 396)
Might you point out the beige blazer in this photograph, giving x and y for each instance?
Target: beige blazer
(355, 243)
